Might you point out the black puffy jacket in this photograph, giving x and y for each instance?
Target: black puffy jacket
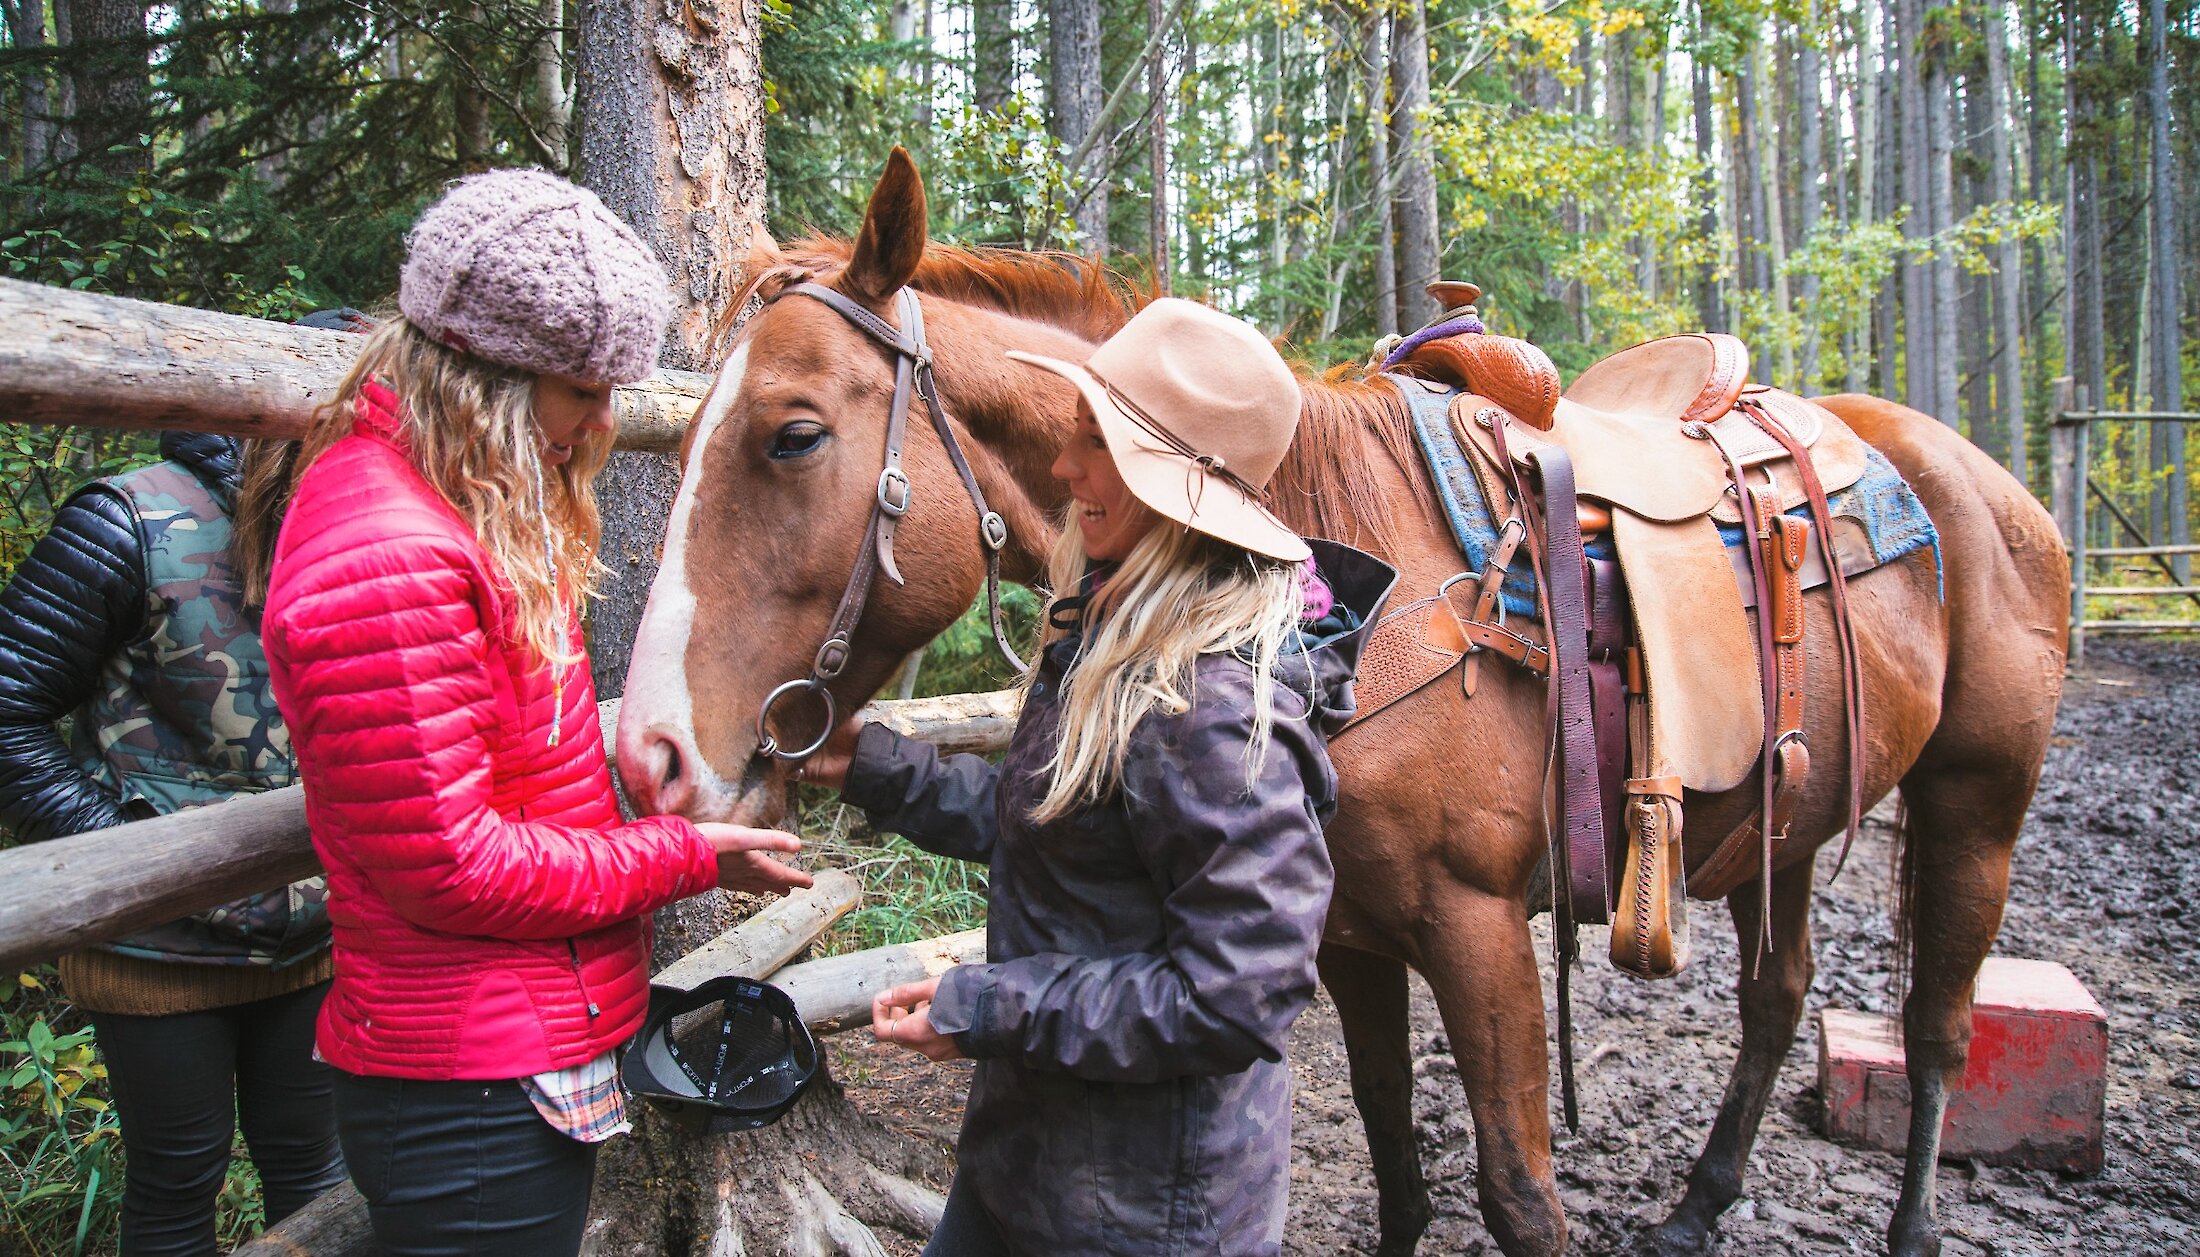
(76, 600)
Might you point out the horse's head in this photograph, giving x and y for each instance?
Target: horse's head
(780, 473)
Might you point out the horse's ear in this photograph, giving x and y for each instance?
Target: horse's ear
(893, 237)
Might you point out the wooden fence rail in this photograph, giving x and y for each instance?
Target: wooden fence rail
(78, 358)
(61, 895)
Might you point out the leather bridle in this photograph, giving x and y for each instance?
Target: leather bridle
(912, 373)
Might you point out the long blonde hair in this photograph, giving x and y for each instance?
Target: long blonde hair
(1177, 595)
(470, 432)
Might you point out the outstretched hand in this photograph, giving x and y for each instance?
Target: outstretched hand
(743, 863)
(829, 767)
(903, 1015)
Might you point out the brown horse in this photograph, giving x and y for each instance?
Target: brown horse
(1439, 833)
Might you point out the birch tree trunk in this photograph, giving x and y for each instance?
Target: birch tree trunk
(1157, 150)
(1921, 377)
(1810, 154)
(1375, 79)
(553, 104)
(1941, 195)
(2166, 351)
(1074, 74)
(2008, 269)
(1419, 256)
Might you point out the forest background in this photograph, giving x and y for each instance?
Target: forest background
(1948, 204)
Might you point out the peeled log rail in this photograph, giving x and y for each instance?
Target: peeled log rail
(835, 993)
(71, 892)
(73, 358)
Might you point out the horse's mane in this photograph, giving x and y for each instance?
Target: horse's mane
(1065, 290)
(1327, 485)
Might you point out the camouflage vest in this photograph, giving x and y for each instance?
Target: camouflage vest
(185, 716)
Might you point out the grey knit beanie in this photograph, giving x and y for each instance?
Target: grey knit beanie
(521, 268)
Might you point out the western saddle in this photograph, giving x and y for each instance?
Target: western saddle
(1616, 490)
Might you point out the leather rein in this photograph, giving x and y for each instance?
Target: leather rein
(912, 374)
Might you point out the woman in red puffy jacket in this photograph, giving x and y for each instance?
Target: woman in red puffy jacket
(490, 910)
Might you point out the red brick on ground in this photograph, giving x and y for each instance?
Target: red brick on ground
(2035, 1092)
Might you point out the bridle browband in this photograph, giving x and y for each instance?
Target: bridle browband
(912, 372)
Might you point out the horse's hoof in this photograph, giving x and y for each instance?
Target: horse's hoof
(1913, 1235)
(1680, 1235)
(1401, 1236)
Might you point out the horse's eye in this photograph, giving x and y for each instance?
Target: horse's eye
(797, 439)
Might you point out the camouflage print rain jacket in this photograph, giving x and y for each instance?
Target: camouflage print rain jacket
(1145, 956)
(129, 616)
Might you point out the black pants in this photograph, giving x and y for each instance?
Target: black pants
(965, 1229)
(184, 1083)
(462, 1169)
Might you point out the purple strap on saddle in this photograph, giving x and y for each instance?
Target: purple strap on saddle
(1439, 331)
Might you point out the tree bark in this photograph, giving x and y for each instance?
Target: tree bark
(1752, 273)
(1809, 198)
(553, 104)
(1419, 252)
(1710, 309)
(1774, 219)
(1945, 307)
(2166, 352)
(110, 79)
(1375, 91)
(992, 53)
(2008, 269)
(1921, 376)
(27, 32)
(470, 107)
(1074, 70)
(1157, 152)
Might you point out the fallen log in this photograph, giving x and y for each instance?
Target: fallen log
(68, 893)
(81, 358)
(333, 1225)
(760, 945)
(835, 993)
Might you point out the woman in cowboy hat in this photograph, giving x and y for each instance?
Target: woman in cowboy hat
(1158, 874)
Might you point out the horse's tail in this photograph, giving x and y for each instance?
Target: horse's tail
(1904, 855)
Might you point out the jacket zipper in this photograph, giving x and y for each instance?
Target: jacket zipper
(573, 949)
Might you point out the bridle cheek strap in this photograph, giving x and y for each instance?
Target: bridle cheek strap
(891, 501)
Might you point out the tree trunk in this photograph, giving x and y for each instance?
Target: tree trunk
(2166, 351)
(1419, 256)
(1375, 77)
(1940, 191)
(992, 53)
(1885, 199)
(553, 104)
(1921, 377)
(110, 85)
(27, 32)
(1808, 196)
(672, 139)
(1074, 81)
(1773, 220)
(1157, 151)
(2084, 333)
(470, 106)
(1750, 274)
(1710, 310)
(2000, 175)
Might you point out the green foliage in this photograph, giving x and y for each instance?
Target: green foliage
(60, 1146)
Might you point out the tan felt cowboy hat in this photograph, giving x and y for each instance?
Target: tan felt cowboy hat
(1198, 409)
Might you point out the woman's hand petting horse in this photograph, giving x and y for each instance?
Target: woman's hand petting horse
(903, 1015)
(743, 864)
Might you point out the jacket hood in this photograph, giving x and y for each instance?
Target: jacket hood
(215, 459)
(1321, 663)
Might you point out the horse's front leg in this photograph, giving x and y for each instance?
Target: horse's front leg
(1370, 994)
(1480, 961)
(1772, 1007)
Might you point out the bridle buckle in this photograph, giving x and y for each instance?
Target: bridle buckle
(888, 481)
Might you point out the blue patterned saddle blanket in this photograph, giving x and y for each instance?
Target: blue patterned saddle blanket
(1881, 502)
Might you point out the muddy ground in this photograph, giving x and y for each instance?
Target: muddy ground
(2107, 882)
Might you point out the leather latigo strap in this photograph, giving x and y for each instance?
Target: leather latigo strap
(1581, 797)
(1844, 628)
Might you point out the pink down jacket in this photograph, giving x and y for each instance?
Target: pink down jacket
(490, 911)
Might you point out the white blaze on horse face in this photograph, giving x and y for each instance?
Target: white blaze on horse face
(658, 706)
